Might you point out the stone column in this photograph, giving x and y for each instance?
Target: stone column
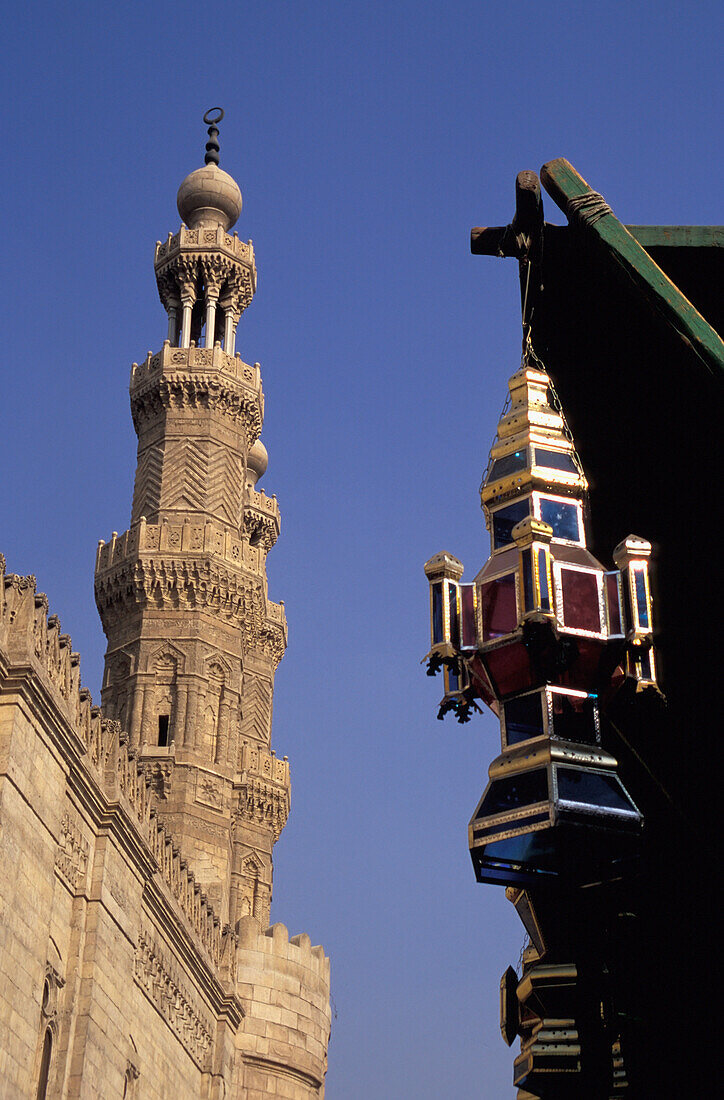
(222, 739)
(192, 715)
(146, 715)
(173, 308)
(134, 724)
(228, 329)
(187, 300)
(211, 301)
(231, 746)
(179, 720)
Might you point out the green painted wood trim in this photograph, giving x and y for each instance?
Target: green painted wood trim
(563, 184)
(678, 236)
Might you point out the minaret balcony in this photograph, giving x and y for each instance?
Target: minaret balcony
(262, 521)
(198, 378)
(202, 240)
(169, 539)
(197, 360)
(214, 237)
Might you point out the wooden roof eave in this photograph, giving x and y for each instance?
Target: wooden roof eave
(578, 201)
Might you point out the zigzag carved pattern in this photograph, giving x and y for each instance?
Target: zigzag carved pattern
(185, 475)
(225, 481)
(256, 707)
(147, 490)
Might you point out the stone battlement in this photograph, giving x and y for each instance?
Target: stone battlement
(284, 986)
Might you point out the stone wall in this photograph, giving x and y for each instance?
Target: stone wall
(107, 943)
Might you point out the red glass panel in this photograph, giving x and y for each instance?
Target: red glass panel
(509, 669)
(581, 609)
(614, 603)
(469, 633)
(585, 672)
(499, 608)
(481, 683)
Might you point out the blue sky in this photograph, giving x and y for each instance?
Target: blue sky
(367, 139)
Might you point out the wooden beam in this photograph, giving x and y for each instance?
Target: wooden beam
(678, 236)
(588, 212)
(498, 241)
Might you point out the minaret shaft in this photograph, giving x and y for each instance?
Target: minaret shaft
(193, 641)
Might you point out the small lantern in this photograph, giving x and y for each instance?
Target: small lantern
(632, 557)
(533, 537)
(443, 572)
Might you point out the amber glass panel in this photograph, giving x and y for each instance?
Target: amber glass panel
(581, 609)
(499, 607)
(545, 594)
(452, 595)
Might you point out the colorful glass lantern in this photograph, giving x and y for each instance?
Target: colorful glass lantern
(542, 637)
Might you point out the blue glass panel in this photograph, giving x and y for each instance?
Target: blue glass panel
(523, 718)
(505, 519)
(641, 603)
(594, 789)
(555, 460)
(528, 591)
(508, 464)
(514, 792)
(562, 516)
(453, 681)
(574, 718)
(545, 595)
(437, 635)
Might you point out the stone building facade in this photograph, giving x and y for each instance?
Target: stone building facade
(136, 839)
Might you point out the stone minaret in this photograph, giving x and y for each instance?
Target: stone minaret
(193, 640)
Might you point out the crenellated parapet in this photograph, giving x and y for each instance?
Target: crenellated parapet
(284, 986)
(39, 661)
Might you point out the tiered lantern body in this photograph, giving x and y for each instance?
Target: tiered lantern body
(543, 635)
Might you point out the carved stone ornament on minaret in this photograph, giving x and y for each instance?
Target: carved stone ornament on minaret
(193, 640)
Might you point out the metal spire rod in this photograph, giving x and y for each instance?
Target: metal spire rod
(212, 118)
